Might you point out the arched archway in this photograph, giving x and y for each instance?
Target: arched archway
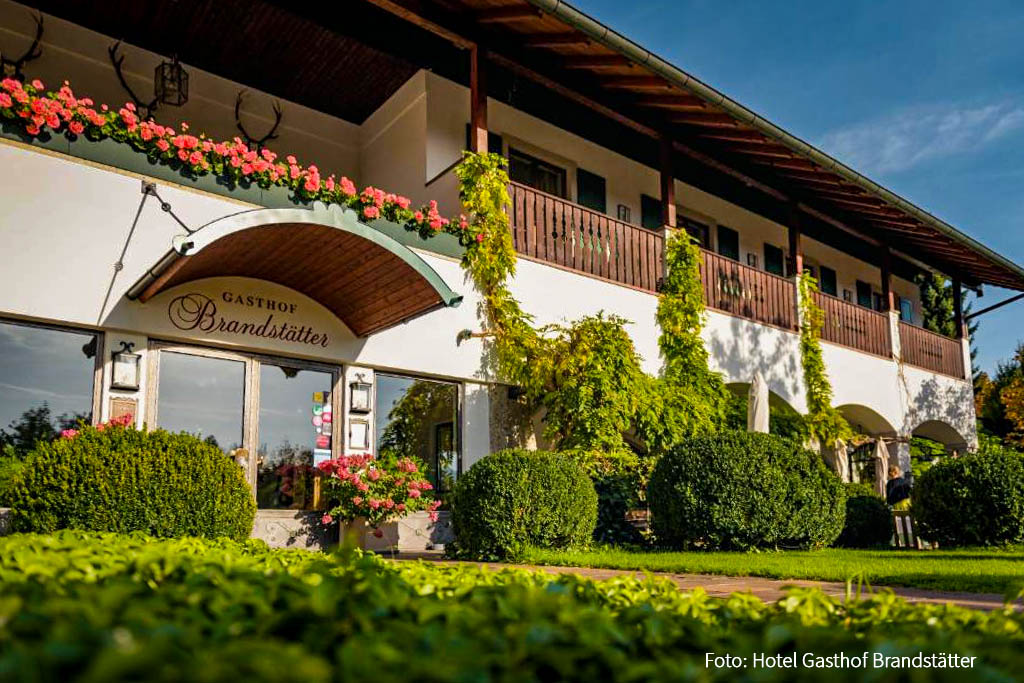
(943, 433)
(865, 420)
(366, 278)
(784, 419)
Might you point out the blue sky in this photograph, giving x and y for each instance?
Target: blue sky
(926, 98)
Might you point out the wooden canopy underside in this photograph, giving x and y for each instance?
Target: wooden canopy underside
(367, 286)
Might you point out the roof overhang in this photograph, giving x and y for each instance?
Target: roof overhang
(366, 278)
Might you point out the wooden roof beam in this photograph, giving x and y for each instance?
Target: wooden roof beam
(595, 61)
(736, 136)
(635, 82)
(765, 151)
(702, 119)
(678, 101)
(497, 15)
(553, 39)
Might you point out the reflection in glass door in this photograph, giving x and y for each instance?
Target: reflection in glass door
(202, 395)
(295, 431)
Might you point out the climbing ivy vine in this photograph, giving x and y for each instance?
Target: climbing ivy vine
(824, 423)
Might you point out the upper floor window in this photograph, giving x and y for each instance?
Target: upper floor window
(650, 212)
(697, 231)
(906, 310)
(864, 297)
(47, 378)
(590, 191)
(728, 243)
(827, 281)
(535, 173)
(774, 260)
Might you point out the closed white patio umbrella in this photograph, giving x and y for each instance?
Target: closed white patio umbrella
(837, 460)
(757, 405)
(881, 467)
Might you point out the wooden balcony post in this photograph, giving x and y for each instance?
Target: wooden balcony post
(796, 250)
(477, 102)
(958, 309)
(888, 299)
(668, 183)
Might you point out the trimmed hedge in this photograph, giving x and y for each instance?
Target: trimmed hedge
(741, 490)
(517, 498)
(101, 607)
(868, 519)
(976, 499)
(123, 479)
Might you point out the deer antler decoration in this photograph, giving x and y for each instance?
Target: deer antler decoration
(13, 67)
(256, 143)
(145, 109)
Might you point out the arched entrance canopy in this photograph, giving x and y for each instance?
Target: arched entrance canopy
(366, 278)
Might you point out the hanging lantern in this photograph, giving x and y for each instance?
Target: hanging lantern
(126, 368)
(170, 83)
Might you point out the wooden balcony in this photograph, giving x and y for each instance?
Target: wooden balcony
(746, 292)
(854, 326)
(557, 232)
(931, 351)
(563, 234)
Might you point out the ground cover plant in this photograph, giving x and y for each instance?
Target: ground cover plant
(987, 570)
(102, 607)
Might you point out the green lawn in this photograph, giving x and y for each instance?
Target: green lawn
(974, 570)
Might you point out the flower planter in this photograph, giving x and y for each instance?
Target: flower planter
(412, 533)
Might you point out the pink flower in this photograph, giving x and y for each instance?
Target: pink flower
(5, 100)
(389, 503)
(374, 475)
(378, 533)
(326, 519)
(414, 493)
(357, 500)
(371, 212)
(400, 507)
(374, 503)
(76, 127)
(363, 487)
(347, 186)
(418, 216)
(403, 202)
(32, 130)
(163, 145)
(433, 516)
(195, 157)
(68, 433)
(38, 84)
(479, 237)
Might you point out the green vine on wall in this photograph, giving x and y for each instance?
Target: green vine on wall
(824, 423)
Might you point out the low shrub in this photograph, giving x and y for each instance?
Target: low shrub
(741, 490)
(976, 499)
(102, 607)
(117, 478)
(516, 498)
(868, 519)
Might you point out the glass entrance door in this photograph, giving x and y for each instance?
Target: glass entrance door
(279, 412)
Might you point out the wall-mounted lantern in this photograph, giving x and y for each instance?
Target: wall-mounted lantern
(359, 397)
(170, 83)
(126, 368)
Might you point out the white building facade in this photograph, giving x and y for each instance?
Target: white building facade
(296, 332)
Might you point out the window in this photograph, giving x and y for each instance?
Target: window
(590, 190)
(494, 144)
(417, 418)
(774, 260)
(879, 301)
(698, 231)
(532, 172)
(650, 212)
(202, 395)
(906, 310)
(728, 243)
(47, 383)
(864, 297)
(296, 422)
(827, 283)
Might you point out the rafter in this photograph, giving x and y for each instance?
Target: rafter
(553, 40)
(671, 101)
(594, 61)
(635, 82)
(496, 15)
(705, 119)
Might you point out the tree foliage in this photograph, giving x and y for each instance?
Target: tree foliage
(824, 422)
(1000, 401)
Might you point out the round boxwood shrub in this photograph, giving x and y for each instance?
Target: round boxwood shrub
(514, 499)
(976, 499)
(868, 519)
(115, 478)
(740, 490)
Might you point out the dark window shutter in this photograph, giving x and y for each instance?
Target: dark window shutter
(650, 212)
(698, 231)
(728, 243)
(774, 260)
(827, 283)
(590, 191)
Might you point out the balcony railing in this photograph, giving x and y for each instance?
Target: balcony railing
(854, 326)
(550, 229)
(931, 351)
(747, 292)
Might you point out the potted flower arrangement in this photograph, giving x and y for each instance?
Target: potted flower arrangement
(364, 492)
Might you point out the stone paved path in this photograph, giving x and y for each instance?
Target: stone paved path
(721, 586)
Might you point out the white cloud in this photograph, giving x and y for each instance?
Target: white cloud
(912, 136)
